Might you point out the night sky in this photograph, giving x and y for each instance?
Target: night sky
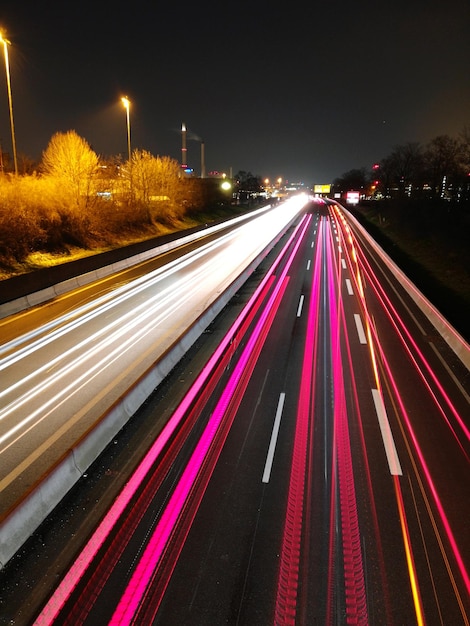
(301, 91)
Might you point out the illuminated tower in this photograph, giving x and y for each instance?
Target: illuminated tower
(184, 165)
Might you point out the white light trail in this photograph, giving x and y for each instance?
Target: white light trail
(53, 374)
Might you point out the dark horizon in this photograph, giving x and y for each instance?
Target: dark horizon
(304, 93)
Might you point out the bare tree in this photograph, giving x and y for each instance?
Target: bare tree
(69, 159)
(402, 169)
(353, 179)
(444, 163)
(156, 183)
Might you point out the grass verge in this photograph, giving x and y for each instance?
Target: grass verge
(437, 262)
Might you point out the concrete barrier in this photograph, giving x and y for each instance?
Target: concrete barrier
(103, 265)
(28, 290)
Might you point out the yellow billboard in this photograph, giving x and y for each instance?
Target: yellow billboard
(321, 188)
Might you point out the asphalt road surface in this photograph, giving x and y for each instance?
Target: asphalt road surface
(309, 465)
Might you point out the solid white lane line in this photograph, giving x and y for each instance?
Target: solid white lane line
(360, 328)
(349, 287)
(387, 437)
(299, 308)
(272, 443)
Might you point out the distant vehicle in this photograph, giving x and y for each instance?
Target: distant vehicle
(353, 197)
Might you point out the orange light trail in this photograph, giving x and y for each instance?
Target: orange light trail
(409, 554)
(398, 323)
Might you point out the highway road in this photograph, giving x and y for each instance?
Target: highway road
(315, 470)
(66, 367)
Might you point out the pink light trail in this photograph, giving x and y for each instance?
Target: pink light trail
(127, 609)
(83, 561)
(288, 582)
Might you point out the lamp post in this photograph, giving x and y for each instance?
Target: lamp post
(6, 43)
(126, 102)
(184, 163)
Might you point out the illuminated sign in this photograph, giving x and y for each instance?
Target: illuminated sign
(352, 197)
(321, 188)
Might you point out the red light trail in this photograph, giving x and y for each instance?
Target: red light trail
(332, 551)
(128, 604)
(286, 600)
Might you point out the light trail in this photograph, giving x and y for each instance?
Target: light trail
(409, 342)
(51, 373)
(79, 316)
(418, 604)
(412, 443)
(125, 339)
(172, 441)
(430, 483)
(130, 603)
(367, 473)
(143, 600)
(419, 361)
(82, 314)
(389, 444)
(76, 572)
(288, 581)
(154, 310)
(354, 584)
(143, 257)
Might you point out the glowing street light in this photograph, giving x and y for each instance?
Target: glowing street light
(126, 102)
(6, 43)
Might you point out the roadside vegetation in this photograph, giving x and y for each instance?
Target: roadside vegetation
(77, 203)
(436, 258)
(416, 203)
(438, 170)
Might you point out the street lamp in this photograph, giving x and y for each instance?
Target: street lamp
(6, 43)
(126, 102)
